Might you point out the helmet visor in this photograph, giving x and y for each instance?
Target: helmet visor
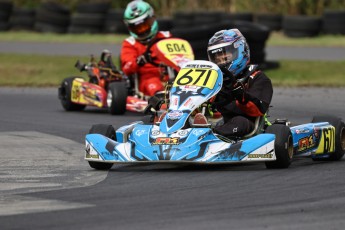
(141, 28)
(222, 54)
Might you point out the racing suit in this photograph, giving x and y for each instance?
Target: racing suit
(149, 75)
(241, 110)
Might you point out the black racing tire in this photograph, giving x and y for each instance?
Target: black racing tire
(271, 20)
(4, 26)
(84, 19)
(333, 21)
(55, 7)
(93, 8)
(339, 136)
(51, 18)
(241, 16)
(83, 30)
(113, 22)
(165, 24)
(301, 26)
(108, 131)
(283, 146)
(49, 28)
(117, 98)
(65, 96)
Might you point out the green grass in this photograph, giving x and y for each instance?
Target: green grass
(36, 70)
(42, 71)
(278, 39)
(61, 38)
(275, 39)
(308, 73)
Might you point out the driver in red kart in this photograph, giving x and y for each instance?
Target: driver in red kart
(246, 92)
(143, 28)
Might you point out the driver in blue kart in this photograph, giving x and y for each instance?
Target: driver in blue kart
(246, 92)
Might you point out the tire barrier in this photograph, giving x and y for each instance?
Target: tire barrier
(52, 17)
(99, 17)
(272, 21)
(333, 22)
(114, 22)
(301, 26)
(89, 18)
(242, 16)
(5, 13)
(22, 19)
(165, 24)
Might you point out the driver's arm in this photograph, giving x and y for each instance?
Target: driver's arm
(128, 57)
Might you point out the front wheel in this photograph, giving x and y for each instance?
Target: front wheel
(65, 96)
(117, 97)
(283, 146)
(108, 131)
(339, 136)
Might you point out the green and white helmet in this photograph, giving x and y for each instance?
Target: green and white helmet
(140, 20)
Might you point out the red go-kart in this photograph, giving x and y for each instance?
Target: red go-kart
(109, 88)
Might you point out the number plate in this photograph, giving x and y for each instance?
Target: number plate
(197, 77)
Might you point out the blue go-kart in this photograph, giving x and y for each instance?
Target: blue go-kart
(170, 140)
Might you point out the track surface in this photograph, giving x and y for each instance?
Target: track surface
(273, 52)
(45, 184)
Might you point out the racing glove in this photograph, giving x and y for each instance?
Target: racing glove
(143, 59)
(238, 92)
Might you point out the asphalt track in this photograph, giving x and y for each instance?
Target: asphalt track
(272, 52)
(46, 184)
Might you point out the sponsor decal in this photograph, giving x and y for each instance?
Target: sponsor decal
(267, 155)
(197, 132)
(92, 156)
(303, 130)
(140, 132)
(155, 132)
(189, 88)
(175, 114)
(237, 44)
(166, 141)
(217, 50)
(188, 102)
(316, 133)
(182, 132)
(306, 143)
(88, 153)
(175, 101)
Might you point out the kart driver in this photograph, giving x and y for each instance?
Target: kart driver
(246, 92)
(143, 28)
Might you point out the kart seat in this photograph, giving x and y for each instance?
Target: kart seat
(258, 125)
(200, 121)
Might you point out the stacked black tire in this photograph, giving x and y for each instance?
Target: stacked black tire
(5, 13)
(165, 23)
(197, 28)
(301, 26)
(52, 17)
(333, 22)
(114, 22)
(272, 21)
(23, 19)
(89, 17)
(200, 27)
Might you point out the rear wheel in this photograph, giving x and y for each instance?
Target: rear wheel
(65, 93)
(283, 146)
(108, 131)
(339, 136)
(117, 97)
